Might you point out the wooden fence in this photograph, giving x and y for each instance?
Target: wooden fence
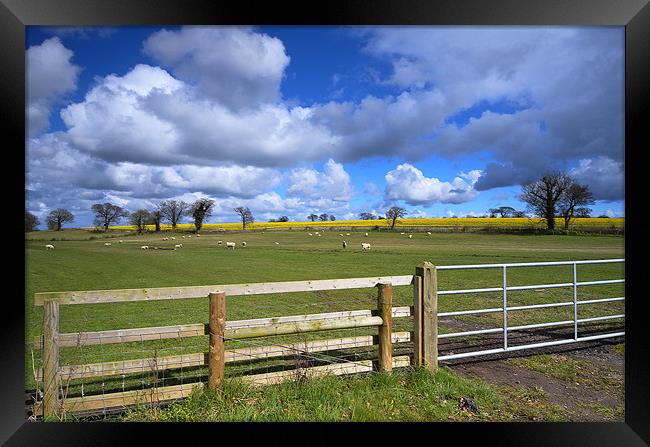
(423, 336)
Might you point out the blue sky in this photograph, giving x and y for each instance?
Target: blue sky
(444, 121)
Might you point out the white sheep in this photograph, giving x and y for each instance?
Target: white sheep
(365, 246)
(198, 235)
(319, 235)
(107, 244)
(121, 241)
(341, 234)
(345, 244)
(178, 246)
(276, 243)
(347, 234)
(189, 235)
(230, 245)
(49, 247)
(219, 242)
(145, 247)
(165, 239)
(173, 238)
(410, 236)
(183, 237)
(402, 233)
(366, 234)
(310, 234)
(429, 233)
(243, 244)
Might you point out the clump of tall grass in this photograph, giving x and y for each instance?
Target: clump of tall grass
(404, 395)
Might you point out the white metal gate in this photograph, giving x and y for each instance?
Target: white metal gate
(505, 308)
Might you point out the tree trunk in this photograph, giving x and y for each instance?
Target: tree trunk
(393, 225)
(567, 219)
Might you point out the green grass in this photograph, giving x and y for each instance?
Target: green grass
(619, 348)
(404, 395)
(80, 261)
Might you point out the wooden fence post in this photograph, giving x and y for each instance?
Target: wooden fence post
(51, 376)
(217, 325)
(385, 311)
(428, 315)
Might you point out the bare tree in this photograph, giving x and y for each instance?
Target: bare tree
(395, 213)
(56, 218)
(201, 210)
(367, 216)
(155, 217)
(575, 198)
(503, 211)
(245, 214)
(139, 219)
(31, 222)
(107, 214)
(323, 217)
(173, 211)
(312, 217)
(542, 195)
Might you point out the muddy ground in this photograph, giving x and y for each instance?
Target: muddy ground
(575, 382)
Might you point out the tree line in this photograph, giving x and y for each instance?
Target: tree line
(171, 211)
(554, 194)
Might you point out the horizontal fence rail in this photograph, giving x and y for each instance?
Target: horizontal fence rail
(171, 293)
(194, 330)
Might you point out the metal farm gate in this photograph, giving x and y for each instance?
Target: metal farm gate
(505, 308)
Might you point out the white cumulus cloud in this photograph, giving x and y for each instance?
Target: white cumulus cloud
(408, 183)
(234, 66)
(50, 76)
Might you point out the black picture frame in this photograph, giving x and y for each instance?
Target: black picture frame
(15, 15)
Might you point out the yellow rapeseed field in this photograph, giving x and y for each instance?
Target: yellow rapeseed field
(504, 223)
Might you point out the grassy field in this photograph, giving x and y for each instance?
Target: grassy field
(81, 263)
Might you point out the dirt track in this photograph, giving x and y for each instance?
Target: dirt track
(597, 394)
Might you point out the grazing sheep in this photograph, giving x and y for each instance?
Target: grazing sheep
(410, 236)
(347, 234)
(341, 234)
(183, 237)
(429, 233)
(310, 234)
(145, 247)
(230, 245)
(219, 242)
(121, 241)
(165, 239)
(173, 238)
(198, 235)
(107, 244)
(366, 234)
(402, 233)
(365, 246)
(189, 235)
(178, 246)
(49, 247)
(319, 235)
(276, 243)
(345, 245)
(243, 244)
